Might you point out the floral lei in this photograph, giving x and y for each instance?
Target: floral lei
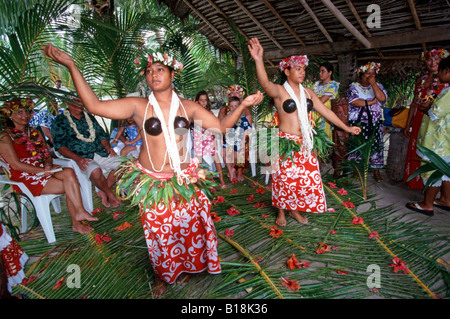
(292, 61)
(148, 58)
(34, 144)
(80, 136)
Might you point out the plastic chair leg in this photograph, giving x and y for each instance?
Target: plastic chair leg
(43, 214)
(56, 203)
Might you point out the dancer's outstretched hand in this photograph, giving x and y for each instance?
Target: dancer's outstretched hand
(57, 55)
(256, 49)
(354, 130)
(253, 99)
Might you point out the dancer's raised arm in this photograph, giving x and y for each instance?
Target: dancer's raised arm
(114, 109)
(257, 52)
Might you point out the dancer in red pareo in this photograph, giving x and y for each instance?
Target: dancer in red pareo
(180, 235)
(297, 184)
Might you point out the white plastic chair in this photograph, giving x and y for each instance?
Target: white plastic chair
(85, 183)
(41, 205)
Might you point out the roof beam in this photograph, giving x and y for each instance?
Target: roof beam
(227, 18)
(431, 34)
(347, 24)
(253, 18)
(316, 20)
(412, 7)
(201, 16)
(275, 12)
(362, 24)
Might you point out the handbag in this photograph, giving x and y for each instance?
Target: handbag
(399, 116)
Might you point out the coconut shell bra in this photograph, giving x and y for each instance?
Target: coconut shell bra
(289, 105)
(153, 125)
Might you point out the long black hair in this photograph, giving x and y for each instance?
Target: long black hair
(329, 67)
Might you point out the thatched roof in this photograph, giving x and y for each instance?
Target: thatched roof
(323, 28)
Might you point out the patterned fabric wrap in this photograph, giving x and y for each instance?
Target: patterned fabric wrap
(180, 235)
(369, 119)
(13, 257)
(297, 184)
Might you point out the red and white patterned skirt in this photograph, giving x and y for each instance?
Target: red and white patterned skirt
(182, 237)
(13, 257)
(297, 185)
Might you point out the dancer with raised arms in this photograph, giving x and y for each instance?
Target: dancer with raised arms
(296, 183)
(179, 231)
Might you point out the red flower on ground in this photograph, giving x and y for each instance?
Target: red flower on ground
(101, 238)
(59, 283)
(215, 217)
(229, 232)
(340, 272)
(233, 211)
(290, 284)
(123, 226)
(357, 220)
(292, 262)
(275, 232)
(322, 248)
(398, 264)
(260, 205)
(233, 191)
(265, 215)
(331, 210)
(348, 204)
(26, 280)
(373, 234)
(332, 185)
(260, 190)
(97, 210)
(117, 214)
(342, 191)
(251, 198)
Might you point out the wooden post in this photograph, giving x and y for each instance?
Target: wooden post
(347, 67)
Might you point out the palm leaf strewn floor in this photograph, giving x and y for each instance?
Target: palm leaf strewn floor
(339, 254)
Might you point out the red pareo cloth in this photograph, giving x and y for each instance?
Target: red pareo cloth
(180, 238)
(33, 182)
(297, 185)
(13, 257)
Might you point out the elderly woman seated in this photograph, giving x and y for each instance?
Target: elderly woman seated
(28, 157)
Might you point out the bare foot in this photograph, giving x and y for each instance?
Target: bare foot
(281, 219)
(232, 174)
(104, 198)
(84, 215)
(114, 201)
(82, 228)
(298, 217)
(159, 288)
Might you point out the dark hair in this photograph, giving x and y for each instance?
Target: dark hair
(444, 64)
(197, 97)
(329, 67)
(234, 99)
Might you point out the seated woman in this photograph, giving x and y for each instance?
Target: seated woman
(28, 157)
(131, 144)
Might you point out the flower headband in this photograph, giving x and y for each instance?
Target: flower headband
(369, 66)
(148, 58)
(11, 106)
(442, 53)
(292, 61)
(235, 88)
